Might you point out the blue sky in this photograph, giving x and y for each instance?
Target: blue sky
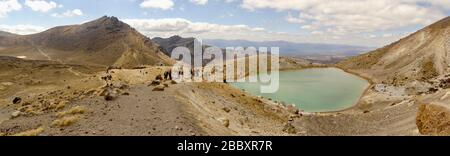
(355, 22)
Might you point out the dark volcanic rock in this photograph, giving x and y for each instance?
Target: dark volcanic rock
(17, 100)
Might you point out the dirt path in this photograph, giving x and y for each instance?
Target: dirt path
(143, 112)
(70, 69)
(44, 54)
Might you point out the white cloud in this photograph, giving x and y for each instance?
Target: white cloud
(7, 6)
(317, 32)
(68, 13)
(388, 35)
(229, 1)
(158, 4)
(292, 19)
(173, 26)
(227, 15)
(307, 27)
(441, 3)
(372, 36)
(199, 2)
(41, 5)
(178, 26)
(357, 16)
(22, 29)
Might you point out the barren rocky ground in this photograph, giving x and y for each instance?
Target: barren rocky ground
(132, 106)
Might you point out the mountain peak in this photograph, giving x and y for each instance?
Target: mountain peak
(175, 38)
(111, 19)
(110, 23)
(114, 41)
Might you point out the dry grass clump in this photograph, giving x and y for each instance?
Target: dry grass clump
(68, 117)
(433, 120)
(428, 69)
(65, 121)
(33, 132)
(72, 111)
(59, 105)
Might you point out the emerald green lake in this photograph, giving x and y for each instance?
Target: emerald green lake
(315, 89)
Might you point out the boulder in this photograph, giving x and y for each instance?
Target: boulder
(283, 104)
(159, 77)
(159, 88)
(122, 86)
(226, 109)
(2, 87)
(7, 83)
(225, 122)
(17, 100)
(155, 83)
(15, 114)
(109, 93)
(110, 97)
(289, 128)
(292, 109)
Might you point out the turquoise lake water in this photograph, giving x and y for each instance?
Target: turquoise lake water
(315, 89)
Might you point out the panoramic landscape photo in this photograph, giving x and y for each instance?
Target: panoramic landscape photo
(224, 68)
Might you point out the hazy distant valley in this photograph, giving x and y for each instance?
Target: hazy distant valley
(318, 53)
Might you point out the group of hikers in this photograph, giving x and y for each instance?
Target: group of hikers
(194, 73)
(168, 75)
(108, 77)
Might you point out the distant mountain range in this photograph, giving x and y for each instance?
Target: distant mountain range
(5, 34)
(294, 49)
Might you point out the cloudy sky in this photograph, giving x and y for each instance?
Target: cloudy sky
(355, 22)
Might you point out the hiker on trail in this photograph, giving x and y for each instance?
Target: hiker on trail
(170, 74)
(197, 72)
(108, 69)
(166, 75)
(107, 79)
(180, 71)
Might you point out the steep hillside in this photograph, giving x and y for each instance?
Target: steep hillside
(421, 56)
(168, 44)
(105, 42)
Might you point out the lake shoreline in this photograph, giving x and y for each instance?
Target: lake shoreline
(352, 106)
(366, 91)
(358, 103)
